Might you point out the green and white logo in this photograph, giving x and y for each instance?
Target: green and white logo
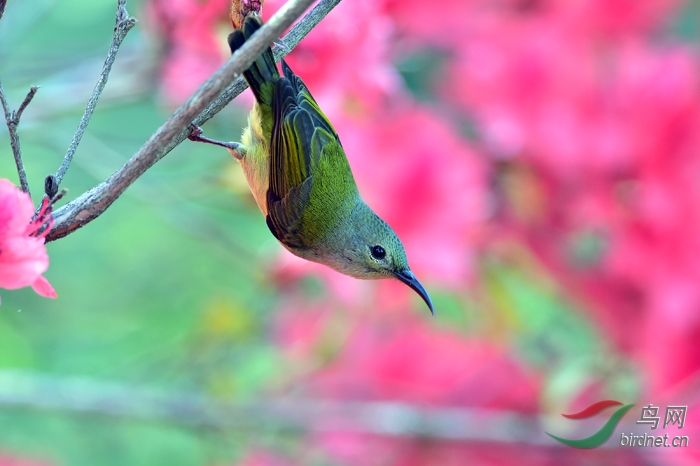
(604, 433)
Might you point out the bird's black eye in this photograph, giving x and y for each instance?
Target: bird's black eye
(378, 252)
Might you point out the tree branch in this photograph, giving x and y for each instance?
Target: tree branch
(389, 418)
(12, 118)
(291, 40)
(209, 99)
(123, 25)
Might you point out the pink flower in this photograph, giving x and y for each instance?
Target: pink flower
(415, 363)
(600, 119)
(262, 458)
(327, 59)
(23, 255)
(415, 171)
(11, 460)
(195, 44)
(446, 25)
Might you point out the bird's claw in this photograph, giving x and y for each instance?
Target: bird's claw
(236, 149)
(279, 43)
(195, 133)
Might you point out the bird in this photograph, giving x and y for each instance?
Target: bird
(301, 180)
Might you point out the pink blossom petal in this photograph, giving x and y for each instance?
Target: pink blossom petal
(16, 209)
(23, 257)
(22, 260)
(43, 288)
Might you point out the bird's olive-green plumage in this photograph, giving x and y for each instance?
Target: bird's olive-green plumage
(302, 182)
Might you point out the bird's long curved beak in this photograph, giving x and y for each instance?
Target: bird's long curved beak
(409, 279)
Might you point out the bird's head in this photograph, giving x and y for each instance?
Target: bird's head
(372, 250)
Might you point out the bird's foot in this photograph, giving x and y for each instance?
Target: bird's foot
(281, 45)
(236, 149)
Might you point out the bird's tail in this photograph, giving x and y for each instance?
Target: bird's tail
(263, 71)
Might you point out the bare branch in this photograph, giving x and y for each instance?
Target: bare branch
(12, 118)
(2, 7)
(209, 99)
(123, 25)
(291, 40)
(25, 102)
(389, 418)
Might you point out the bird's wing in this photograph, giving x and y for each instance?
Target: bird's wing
(306, 101)
(299, 133)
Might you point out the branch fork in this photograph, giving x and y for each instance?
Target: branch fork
(211, 97)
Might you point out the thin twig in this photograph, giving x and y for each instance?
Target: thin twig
(12, 118)
(123, 25)
(25, 102)
(209, 99)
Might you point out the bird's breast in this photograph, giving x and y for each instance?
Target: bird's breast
(256, 162)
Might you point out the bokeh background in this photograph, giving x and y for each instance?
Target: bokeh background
(539, 158)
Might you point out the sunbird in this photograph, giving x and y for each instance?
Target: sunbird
(301, 179)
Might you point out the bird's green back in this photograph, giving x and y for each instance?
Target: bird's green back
(311, 185)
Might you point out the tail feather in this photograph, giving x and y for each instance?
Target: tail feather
(263, 70)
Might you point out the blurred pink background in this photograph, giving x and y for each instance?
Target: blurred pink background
(551, 142)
